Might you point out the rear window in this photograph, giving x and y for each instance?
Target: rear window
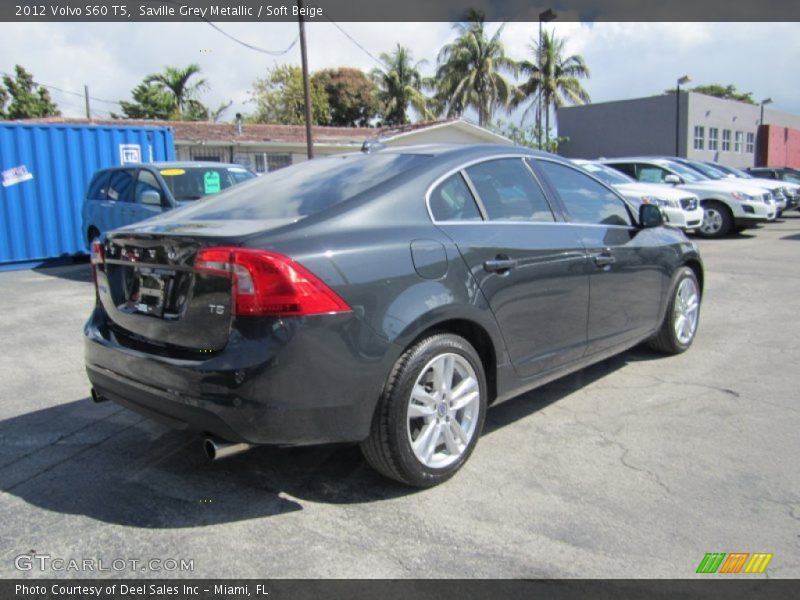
(98, 187)
(193, 183)
(304, 189)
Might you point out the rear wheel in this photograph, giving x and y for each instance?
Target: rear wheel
(683, 314)
(430, 414)
(717, 220)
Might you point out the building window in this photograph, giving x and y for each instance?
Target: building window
(737, 141)
(278, 161)
(699, 137)
(751, 142)
(713, 136)
(726, 140)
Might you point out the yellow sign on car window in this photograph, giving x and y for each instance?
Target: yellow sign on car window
(172, 172)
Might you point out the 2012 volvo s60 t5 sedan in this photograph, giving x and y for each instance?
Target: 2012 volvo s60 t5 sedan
(384, 298)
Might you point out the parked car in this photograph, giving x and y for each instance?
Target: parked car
(790, 191)
(681, 209)
(728, 205)
(383, 298)
(786, 174)
(122, 195)
(774, 188)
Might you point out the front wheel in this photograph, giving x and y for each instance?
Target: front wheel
(683, 314)
(717, 220)
(430, 414)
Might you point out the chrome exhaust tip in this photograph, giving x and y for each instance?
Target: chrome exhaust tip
(217, 449)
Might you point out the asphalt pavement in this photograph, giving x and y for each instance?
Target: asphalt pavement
(635, 467)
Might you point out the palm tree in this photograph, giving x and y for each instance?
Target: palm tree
(399, 86)
(552, 75)
(470, 70)
(174, 83)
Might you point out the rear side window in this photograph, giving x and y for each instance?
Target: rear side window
(452, 201)
(119, 185)
(586, 200)
(509, 192)
(627, 169)
(304, 189)
(98, 188)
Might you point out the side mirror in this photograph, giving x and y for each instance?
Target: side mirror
(650, 216)
(673, 179)
(151, 197)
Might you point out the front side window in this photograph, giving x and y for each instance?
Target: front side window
(452, 201)
(586, 200)
(119, 185)
(726, 140)
(509, 191)
(651, 174)
(699, 137)
(751, 142)
(713, 138)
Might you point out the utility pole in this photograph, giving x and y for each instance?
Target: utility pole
(86, 98)
(306, 87)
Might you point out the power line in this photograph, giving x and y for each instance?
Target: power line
(63, 91)
(382, 64)
(250, 46)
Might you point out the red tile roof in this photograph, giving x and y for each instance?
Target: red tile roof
(185, 131)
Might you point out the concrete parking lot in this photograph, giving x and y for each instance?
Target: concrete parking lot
(635, 467)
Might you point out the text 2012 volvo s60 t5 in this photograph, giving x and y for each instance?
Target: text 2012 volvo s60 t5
(382, 298)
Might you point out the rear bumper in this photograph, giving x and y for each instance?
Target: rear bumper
(284, 382)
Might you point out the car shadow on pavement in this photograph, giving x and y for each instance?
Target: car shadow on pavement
(110, 464)
(79, 271)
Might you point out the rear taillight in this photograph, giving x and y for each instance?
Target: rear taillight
(266, 283)
(98, 258)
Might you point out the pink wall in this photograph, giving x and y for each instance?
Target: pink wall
(781, 147)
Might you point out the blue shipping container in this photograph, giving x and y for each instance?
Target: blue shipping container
(46, 169)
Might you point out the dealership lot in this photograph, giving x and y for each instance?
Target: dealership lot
(635, 467)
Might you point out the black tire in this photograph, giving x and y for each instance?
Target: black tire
(712, 208)
(388, 449)
(666, 339)
(92, 234)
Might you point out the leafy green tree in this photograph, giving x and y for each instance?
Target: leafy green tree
(729, 92)
(279, 98)
(470, 71)
(527, 136)
(352, 96)
(25, 98)
(168, 95)
(555, 76)
(149, 102)
(400, 86)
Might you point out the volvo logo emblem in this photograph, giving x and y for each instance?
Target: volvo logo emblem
(171, 254)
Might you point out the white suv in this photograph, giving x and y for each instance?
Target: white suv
(680, 208)
(728, 205)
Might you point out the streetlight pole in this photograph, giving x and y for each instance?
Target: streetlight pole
(306, 87)
(682, 80)
(544, 17)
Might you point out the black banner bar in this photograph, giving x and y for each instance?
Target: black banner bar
(407, 589)
(394, 10)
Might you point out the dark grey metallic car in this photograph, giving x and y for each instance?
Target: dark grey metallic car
(382, 298)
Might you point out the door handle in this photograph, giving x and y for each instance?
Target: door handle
(604, 258)
(501, 264)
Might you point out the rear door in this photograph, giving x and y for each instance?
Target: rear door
(530, 267)
(115, 211)
(626, 281)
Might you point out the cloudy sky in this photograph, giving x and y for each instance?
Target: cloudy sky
(626, 59)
